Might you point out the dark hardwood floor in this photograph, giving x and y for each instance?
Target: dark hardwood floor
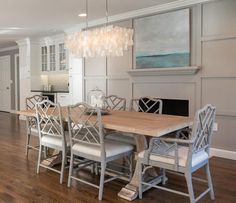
(20, 183)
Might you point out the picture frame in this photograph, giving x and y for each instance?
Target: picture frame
(162, 40)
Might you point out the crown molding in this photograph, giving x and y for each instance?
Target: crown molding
(23, 42)
(76, 28)
(140, 13)
(51, 39)
(9, 48)
(28, 41)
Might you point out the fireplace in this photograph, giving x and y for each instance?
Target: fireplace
(177, 107)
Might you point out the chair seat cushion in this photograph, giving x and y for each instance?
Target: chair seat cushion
(197, 158)
(125, 138)
(112, 148)
(51, 140)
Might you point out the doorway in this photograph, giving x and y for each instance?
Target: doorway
(5, 83)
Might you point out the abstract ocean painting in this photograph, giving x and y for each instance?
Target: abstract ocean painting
(163, 40)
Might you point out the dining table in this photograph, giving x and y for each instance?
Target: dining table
(140, 125)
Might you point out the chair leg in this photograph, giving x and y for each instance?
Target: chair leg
(209, 181)
(188, 177)
(130, 167)
(140, 179)
(45, 152)
(92, 168)
(163, 171)
(62, 167)
(102, 175)
(96, 168)
(70, 169)
(27, 144)
(39, 158)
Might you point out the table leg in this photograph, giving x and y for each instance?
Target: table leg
(130, 191)
(54, 159)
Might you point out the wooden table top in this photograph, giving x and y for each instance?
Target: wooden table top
(149, 124)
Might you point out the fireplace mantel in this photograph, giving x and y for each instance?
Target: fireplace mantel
(188, 70)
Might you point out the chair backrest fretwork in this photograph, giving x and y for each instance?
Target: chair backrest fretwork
(49, 119)
(85, 125)
(203, 128)
(201, 132)
(30, 103)
(113, 102)
(146, 104)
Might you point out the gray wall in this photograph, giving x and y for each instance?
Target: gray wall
(12, 58)
(213, 48)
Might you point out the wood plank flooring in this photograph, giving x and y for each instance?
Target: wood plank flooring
(20, 183)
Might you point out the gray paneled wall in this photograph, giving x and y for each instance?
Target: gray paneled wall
(213, 47)
(219, 67)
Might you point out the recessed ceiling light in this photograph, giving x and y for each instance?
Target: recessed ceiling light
(82, 15)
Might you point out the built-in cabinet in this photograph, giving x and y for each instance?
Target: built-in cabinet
(75, 79)
(44, 55)
(63, 99)
(53, 58)
(62, 57)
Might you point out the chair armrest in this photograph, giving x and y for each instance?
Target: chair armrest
(162, 146)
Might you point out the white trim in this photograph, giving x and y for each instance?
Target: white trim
(49, 40)
(12, 111)
(8, 57)
(190, 70)
(24, 41)
(218, 37)
(223, 153)
(140, 12)
(9, 48)
(22, 118)
(16, 81)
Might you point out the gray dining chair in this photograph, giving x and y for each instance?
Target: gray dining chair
(183, 155)
(51, 135)
(87, 140)
(31, 122)
(114, 102)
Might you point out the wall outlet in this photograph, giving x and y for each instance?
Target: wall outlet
(215, 127)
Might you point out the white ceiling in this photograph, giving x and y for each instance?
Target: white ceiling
(39, 18)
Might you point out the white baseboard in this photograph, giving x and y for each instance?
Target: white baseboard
(223, 153)
(12, 111)
(22, 117)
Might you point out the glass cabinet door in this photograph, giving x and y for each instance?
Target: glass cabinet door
(62, 57)
(52, 58)
(44, 55)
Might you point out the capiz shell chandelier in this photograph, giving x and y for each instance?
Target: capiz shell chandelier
(98, 42)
